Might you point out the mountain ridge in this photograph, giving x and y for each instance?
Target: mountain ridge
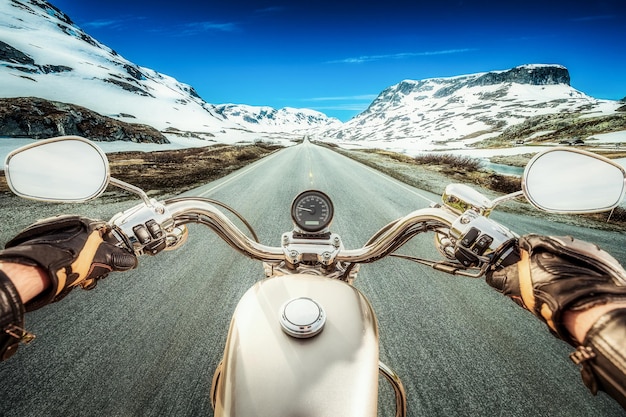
(464, 110)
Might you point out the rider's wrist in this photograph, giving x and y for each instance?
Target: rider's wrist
(29, 281)
(578, 323)
(11, 318)
(602, 355)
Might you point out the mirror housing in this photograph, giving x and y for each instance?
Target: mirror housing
(564, 180)
(63, 169)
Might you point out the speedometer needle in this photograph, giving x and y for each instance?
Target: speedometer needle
(305, 209)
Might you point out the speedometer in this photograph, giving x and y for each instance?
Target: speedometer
(312, 211)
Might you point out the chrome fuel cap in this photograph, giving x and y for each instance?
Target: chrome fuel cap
(302, 318)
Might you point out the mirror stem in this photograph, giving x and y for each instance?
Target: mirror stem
(129, 187)
(507, 197)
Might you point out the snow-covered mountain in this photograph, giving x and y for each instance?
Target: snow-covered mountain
(452, 112)
(44, 54)
(269, 119)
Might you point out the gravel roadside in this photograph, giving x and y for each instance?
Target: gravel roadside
(434, 179)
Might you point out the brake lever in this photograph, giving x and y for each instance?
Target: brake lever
(447, 267)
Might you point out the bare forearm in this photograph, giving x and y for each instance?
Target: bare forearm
(579, 322)
(28, 280)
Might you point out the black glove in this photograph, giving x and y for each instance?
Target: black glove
(72, 250)
(556, 274)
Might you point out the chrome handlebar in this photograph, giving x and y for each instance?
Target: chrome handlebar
(195, 210)
(148, 229)
(398, 233)
(135, 227)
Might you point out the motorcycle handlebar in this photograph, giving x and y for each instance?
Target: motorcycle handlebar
(397, 234)
(138, 231)
(193, 210)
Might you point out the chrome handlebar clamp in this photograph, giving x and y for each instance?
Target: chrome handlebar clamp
(476, 239)
(322, 249)
(147, 229)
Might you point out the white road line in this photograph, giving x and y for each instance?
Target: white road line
(245, 171)
(264, 160)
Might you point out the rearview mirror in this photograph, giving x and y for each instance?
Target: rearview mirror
(573, 181)
(63, 169)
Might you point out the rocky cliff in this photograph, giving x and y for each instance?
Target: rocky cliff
(38, 118)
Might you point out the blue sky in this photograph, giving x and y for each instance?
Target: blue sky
(336, 56)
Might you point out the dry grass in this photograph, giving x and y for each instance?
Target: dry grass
(468, 169)
(455, 162)
(178, 170)
(434, 176)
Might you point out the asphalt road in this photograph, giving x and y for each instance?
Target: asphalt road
(146, 343)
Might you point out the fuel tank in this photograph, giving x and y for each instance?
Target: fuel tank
(277, 364)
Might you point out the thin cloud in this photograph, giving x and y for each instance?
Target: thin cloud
(194, 28)
(358, 102)
(402, 55)
(102, 23)
(271, 10)
(111, 23)
(346, 107)
(344, 98)
(185, 29)
(593, 18)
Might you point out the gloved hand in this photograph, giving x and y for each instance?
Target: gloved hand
(72, 251)
(556, 274)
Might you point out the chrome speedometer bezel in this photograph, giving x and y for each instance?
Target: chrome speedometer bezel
(324, 221)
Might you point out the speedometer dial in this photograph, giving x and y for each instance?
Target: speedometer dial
(312, 211)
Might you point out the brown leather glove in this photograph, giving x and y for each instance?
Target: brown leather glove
(12, 330)
(73, 252)
(556, 274)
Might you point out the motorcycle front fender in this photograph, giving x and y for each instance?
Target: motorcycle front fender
(266, 372)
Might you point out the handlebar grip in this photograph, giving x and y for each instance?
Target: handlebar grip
(507, 255)
(143, 239)
(117, 238)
